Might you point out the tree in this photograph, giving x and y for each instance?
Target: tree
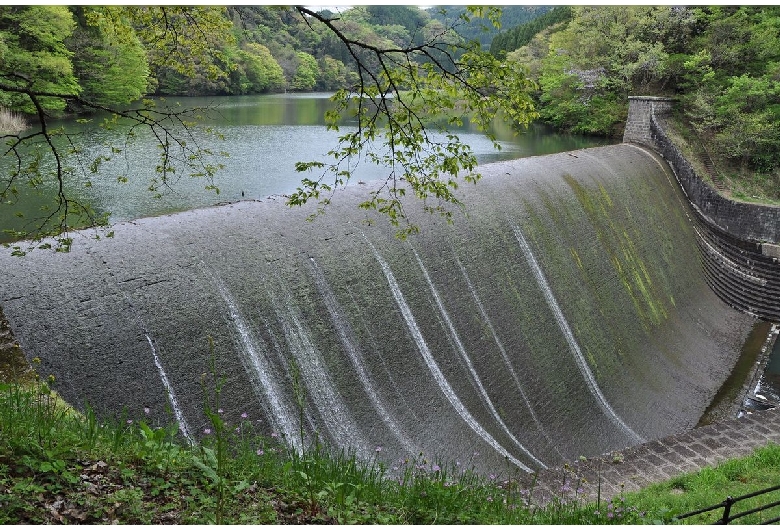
(35, 57)
(108, 58)
(521, 35)
(401, 91)
(403, 94)
(334, 74)
(259, 70)
(186, 47)
(477, 28)
(306, 73)
(412, 19)
(600, 57)
(730, 75)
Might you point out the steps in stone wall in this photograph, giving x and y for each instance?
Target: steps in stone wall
(716, 179)
(608, 476)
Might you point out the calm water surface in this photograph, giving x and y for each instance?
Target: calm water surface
(264, 136)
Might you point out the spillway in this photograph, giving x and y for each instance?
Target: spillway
(565, 314)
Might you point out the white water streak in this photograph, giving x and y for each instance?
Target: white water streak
(356, 356)
(579, 358)
(438, 376)
(337, 417)
(464, 355)
(183, 427)
(504, 355)
(260, 367)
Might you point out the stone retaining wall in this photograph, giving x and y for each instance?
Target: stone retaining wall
(738, 241)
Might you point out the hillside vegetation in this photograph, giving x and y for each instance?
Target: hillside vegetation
(116, 55)
(722, 63)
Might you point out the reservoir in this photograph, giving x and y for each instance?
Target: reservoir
(261, 137)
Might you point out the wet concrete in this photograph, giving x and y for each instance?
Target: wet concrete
(566, 313)
(13, 364)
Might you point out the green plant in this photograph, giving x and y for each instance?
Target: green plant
(130, 472)
(212, 455)
(158, 449)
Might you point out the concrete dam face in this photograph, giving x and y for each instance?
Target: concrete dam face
(565, 315)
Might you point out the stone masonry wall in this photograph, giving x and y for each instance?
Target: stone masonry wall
(738, 241)
(752, 222)
(640, 112)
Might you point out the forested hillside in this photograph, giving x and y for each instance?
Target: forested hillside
(113, 59)
(479, 30)
(522, 34)
(721, 62)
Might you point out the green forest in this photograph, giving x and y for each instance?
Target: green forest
(721, 62)
(113, 58)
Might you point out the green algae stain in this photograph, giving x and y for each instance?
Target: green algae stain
(606, 199)
(556, 263)
(592, 361)
(632, 271)
(566, 273)
(576, 256)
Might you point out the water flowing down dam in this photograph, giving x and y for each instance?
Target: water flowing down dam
(565, 314)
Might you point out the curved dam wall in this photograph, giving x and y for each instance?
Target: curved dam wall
(566, 314)
(739, 242)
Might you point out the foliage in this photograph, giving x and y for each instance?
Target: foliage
(475, 29)
(400, 95)
(605, 54)
(34, 57)
(522, 34)
(731, 84)
(306, 72)
(189, 41)
(257, 70)
(334, 75)
(187, 47)
(104, 38)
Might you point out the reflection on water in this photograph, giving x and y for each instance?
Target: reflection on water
(264, 136)
(731, 392)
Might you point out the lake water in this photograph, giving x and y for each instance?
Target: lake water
(264, 136)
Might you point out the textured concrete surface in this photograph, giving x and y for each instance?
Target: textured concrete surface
(565, 314)
(636, 467)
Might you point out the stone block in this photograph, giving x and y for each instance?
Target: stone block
(773, 251)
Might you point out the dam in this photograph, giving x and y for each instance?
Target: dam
(565, 313)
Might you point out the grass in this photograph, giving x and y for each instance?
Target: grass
(710, 486)
(61, 466)
(11, 122)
